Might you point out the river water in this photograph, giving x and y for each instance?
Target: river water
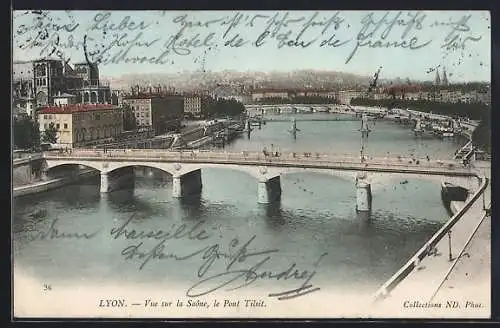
(315, 226)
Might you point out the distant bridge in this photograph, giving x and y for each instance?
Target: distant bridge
(185, 167)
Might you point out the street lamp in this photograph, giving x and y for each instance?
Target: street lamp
(450, 257)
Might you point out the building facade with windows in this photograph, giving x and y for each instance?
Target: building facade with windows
(193, 105)
(161, 113)
(260, 94)
(49, 80)
(62, 99)
(82, 125)
(345, 96)
(37, 83)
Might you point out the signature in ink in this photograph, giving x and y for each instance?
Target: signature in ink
(276, 28)
(375, 32)
(233, 279)
(53, 232)
(196, 232)
(44, 29)
(233, 276)
(455, 39)
(103, 22)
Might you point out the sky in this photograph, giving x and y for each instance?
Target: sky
(406, 44)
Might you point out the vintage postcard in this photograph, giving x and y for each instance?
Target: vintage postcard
(251, 164)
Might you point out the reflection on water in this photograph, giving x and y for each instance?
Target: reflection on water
(343, 137)
(316, 215)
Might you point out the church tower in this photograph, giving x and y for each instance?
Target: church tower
(445, 78)
(437, 80)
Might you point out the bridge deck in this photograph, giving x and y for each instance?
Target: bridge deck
(319, 161)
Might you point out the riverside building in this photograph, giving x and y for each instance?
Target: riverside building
(80, 125)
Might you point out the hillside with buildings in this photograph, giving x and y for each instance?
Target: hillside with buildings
(83, 108)
(194, 81)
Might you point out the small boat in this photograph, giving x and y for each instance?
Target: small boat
(451, 192)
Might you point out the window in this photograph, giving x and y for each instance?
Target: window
(44, 117)
(65, 125)
(58, 125)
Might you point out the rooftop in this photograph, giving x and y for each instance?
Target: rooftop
(83, 63)
(47, 59)
(75, 108)
(272, 90)
(398, 88)
(64, 95)
(151, 96)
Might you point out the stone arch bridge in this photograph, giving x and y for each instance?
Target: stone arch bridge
(185, 168)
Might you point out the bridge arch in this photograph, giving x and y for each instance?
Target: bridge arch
(180, 169)
(253, 173)
(50, 166)
(114, 166)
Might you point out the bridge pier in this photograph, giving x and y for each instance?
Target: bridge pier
(269, 191)
(104, 187)
(118, 179)
(44, 175)
(187, 184)
(363, 195)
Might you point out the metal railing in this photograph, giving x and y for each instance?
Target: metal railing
(464, 149)
(27, 158)
(427, 248)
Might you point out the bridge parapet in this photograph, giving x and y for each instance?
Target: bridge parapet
(252, 162)
(26, 159)
(250, 155)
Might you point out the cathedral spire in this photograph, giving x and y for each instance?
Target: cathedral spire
(445, 78)
(437, 81)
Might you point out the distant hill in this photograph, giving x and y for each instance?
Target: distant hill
(189, 81)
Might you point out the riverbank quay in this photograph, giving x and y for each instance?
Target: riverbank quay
(450, 279)
(470, 278)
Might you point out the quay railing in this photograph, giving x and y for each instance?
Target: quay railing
(463, 150)
(427, 249)
(27, 158)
